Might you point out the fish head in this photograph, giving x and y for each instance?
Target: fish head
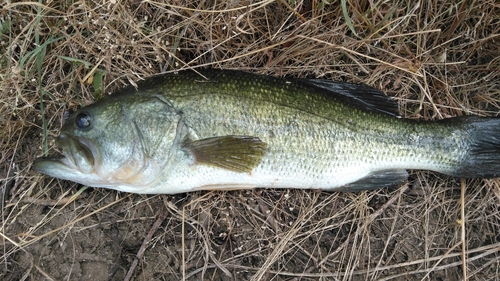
(122, 144)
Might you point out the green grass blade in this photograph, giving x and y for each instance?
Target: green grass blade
(346, 16)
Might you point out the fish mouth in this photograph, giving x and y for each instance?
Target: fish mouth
(77, 158)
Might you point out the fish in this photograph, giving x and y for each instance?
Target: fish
(226, 129)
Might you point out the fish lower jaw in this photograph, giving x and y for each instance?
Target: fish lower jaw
(56, 164)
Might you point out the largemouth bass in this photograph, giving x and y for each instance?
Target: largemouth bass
(220, 129)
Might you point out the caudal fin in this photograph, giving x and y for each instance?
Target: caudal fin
(483, 157)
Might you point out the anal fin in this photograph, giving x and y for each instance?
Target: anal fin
(378, 179)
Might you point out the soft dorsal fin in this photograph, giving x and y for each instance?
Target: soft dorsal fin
(359, 95)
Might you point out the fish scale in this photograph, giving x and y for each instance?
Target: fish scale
(228, 129)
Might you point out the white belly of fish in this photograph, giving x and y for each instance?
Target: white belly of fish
(184, 176)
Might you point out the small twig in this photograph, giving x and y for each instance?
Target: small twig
(118, 249)
(45, 274)
(301, 17)
(390, 235)
(145, 243)
(361, 55)
(441, 258)
(202, 234)
(46, 202)
(268, 214)
(462, 225)
(441, 267)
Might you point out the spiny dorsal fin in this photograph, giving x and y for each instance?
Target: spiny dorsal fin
(234, 153)
(359, 95)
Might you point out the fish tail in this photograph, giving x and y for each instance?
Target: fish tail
(482, 142)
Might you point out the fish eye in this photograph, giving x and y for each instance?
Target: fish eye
(83, 119)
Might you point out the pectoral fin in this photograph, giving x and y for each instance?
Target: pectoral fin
(379, 179)
(235, 153)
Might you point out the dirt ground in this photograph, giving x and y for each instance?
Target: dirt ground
(437, 59)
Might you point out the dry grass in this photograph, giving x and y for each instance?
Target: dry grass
(436, 58)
